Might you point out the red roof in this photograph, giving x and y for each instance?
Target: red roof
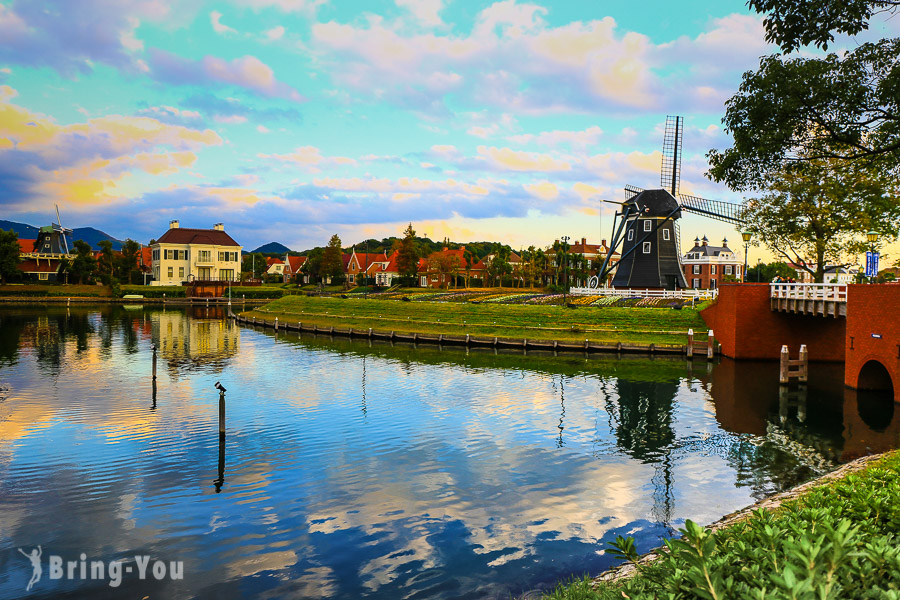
(186, 235)
(295, 262)
(345, 260)
(26, 246)
(273, 261)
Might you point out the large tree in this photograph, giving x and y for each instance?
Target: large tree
(9, 255)
(408, 254)
(818, 212)
(105, 263)
(332, 260)
(255, 265)
(795, 109)
(127, 268)
(84, 265)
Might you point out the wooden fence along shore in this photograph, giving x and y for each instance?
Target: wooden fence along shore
(709, 348)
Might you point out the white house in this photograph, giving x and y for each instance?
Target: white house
(183, 254)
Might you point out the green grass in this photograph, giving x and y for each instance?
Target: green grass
(627, 325)
(839, 540)
(54, 290)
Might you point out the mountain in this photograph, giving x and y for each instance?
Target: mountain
(88, 234)
(272, 248)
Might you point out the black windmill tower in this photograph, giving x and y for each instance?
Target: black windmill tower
(646, 227)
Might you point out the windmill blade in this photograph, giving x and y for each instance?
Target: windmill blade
(632, 191)
(670, 173)
(727, 212)
(62, 230)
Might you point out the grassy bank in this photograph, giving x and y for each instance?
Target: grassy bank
(634, 325)
(839, 540)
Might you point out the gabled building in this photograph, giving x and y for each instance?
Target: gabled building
(361, 262)
(274, 266)
(41, 258)
(183, 255)
(292, 267)
(706, 267)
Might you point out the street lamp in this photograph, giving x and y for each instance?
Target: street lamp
(872, 257)
(746, 235)
(564, 248)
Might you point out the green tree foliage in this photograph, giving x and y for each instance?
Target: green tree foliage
(498, 264)
(9, 256)
(332, 261)
(766, 272)
(127, 263)
(408, 254)
(84, 265)
(471, 258)
(819, 212)
(313, 264)
(793, 110)
(105, 264)
(254, 265)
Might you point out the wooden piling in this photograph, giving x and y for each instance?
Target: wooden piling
(221, 414)
(690, 345)
(783, 369)
(711, 347)
(803, 372)
(154, 367)
(276, 323)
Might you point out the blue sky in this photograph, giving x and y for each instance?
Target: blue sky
(291, 120)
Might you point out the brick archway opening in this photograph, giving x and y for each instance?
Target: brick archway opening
(875, 400)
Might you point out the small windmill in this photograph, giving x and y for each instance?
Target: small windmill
(62, 231)
(647, 226)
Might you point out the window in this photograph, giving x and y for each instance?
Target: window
(167, 254)
(221, 257)
(171, 272)
(630, 234)
(712, 284)
(666, 234)
(737, 271)
(728, 269)
(698, 269)
(205, 256)
(713, 269)
(226, 274)
(350, 277)
(648, 225)
(44, 276)
(181, 272)
(647, 247)
(434, 277)
(695, 283)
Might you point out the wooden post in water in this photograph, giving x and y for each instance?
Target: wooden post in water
(690, 346)
(803, 371)
(276, 323)
(221, 389)
(153, 347)
(710, 349)
(783, 369)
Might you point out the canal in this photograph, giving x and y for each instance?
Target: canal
(372, 470)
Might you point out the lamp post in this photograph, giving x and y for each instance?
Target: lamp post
(564, 249)
(872, 236)
(746, 235)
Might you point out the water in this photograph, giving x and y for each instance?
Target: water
(357, 470)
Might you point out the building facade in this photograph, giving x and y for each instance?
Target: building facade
(706, 267)
(183, 255)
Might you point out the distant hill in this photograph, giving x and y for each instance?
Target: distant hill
(88, 234)
(272, 248)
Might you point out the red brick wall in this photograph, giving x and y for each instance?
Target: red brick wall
(748, 329)
(873, 309)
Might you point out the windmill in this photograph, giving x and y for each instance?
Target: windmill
(62, 231)
(646, 226)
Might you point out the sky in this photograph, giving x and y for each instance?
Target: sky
(292, 120)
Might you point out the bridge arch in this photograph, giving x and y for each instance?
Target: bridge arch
(874, 376)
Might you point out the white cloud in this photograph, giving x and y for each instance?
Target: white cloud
(426, 12)
(276, 33)
(576, 139)
(215, 18)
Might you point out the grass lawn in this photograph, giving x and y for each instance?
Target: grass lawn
(838, 540)
(54, 289)
(627, 325)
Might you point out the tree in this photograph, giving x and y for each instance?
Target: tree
(408, 255)
(498, 265)
(471, 258)
(84, 265)
(313, 264)
(127, 262)
(820, 211)
(105, 262)
(793, 110)
(9, 255)
(765, 273)
(255, 265)
(332, 260)
(444, 264)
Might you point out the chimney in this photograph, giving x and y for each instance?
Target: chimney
(724, 242)
(219, 227)
(705, 241)
(603, 243)
(696, 242)
(173, 224)
(583, 242)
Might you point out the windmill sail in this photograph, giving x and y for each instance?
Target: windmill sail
(62, 230)
(670, 174)
(728, 212)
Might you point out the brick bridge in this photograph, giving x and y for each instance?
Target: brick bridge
(858, 325)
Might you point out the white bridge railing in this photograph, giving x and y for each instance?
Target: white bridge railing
(809, 291)
(633, 293)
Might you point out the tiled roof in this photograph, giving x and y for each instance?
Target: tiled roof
(273, 261)
(26, 246)
(295, 262)
(709, 250)
(186, 235)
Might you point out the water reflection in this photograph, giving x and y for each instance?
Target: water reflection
(362, 469)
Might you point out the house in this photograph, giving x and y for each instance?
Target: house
(184, 254)
(40, 259)
(448, 268)
(292, 267)
(706, 267)
(841, 275)
(274, 266)
(362, 262)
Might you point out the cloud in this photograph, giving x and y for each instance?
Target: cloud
(426, 12)
(246, 72)
(72, 37)
(215, 18)
(213, 106)
(575, 139)
(309, 158)
(513, 160)
(276, 33)
(83, 163)
(172, 115)
(543, 190)
(302, 6)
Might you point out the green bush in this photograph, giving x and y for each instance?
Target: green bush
(148, 291)
(841, 540)
(254, 293)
